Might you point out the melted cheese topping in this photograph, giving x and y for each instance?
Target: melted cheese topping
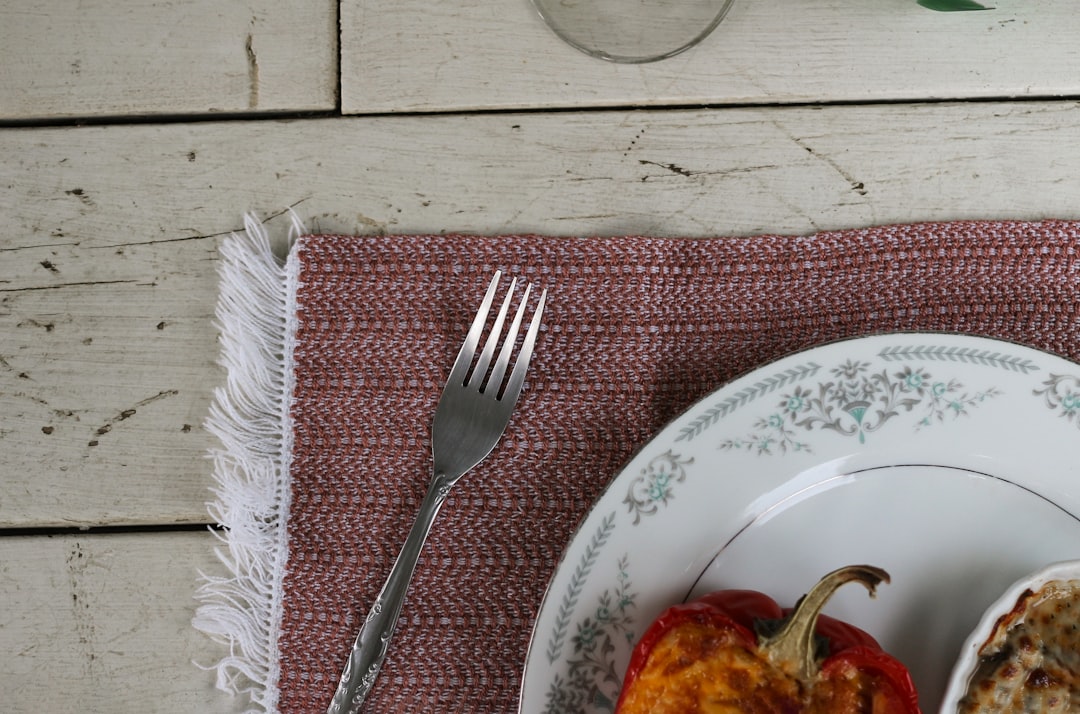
(696, 669)
(1031, 663)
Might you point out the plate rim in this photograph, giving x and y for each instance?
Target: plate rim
(578, 531)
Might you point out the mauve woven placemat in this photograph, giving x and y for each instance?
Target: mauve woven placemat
(636, 330)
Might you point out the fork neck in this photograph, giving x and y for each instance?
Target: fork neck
(440, 484)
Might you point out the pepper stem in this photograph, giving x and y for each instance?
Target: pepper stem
(793, 645)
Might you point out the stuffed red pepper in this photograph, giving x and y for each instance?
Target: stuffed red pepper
(739, 651)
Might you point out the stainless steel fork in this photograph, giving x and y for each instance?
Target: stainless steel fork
(470, 419)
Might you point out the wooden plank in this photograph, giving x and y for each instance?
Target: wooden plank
(108, 238)
(102, 623)
(90, 58)
(412, 55)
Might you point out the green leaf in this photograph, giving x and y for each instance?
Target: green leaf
(953, 5)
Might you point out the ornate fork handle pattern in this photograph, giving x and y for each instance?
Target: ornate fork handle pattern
(372, 642)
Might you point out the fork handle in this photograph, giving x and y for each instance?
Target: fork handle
(373, 640)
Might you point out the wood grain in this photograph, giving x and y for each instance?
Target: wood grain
(822, 114)
(93, 58)
(413, 55)
(109, 236)
(102, 623)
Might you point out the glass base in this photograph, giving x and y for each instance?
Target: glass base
(632, 31)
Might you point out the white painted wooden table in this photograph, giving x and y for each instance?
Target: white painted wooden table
(135, 134)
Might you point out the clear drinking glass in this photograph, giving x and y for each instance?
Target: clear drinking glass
(632, 30)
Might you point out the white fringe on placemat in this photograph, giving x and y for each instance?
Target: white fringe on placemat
(256, 318)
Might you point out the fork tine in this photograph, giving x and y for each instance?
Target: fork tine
(493, 338)
(472, 339)
(517, 377)
(508, 345)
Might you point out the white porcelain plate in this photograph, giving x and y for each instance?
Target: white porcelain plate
(950, 461)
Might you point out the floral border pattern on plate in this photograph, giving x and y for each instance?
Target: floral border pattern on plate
(855, 401)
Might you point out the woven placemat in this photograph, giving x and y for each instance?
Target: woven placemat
(637, 329)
